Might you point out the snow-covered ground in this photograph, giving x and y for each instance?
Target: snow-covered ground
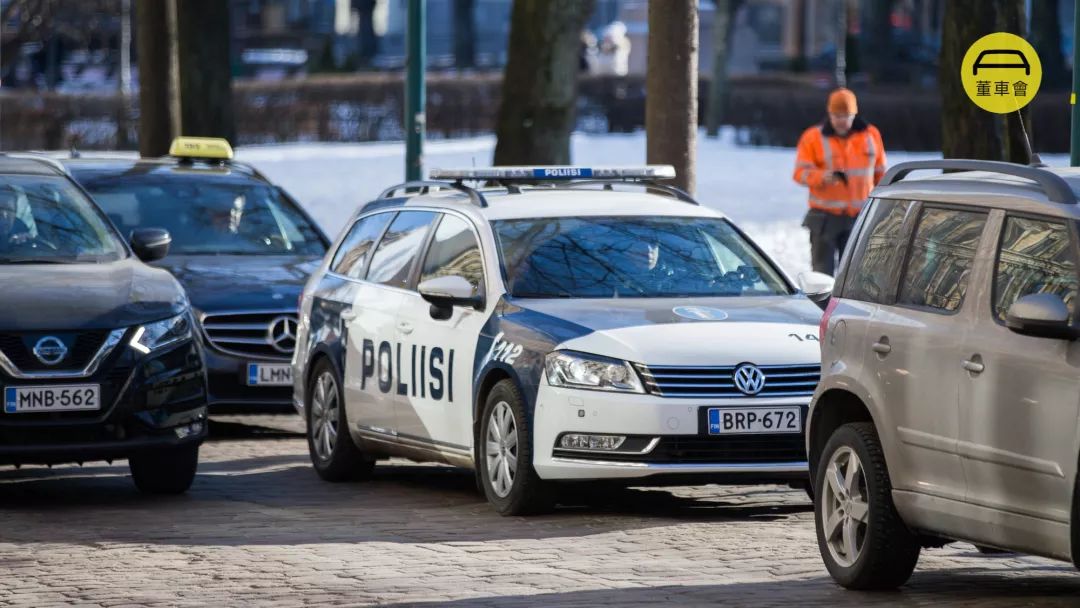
(751, 185)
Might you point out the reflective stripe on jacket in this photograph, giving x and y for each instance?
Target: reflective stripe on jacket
(860, 155)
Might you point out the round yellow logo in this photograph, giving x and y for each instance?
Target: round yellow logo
(1001, 73)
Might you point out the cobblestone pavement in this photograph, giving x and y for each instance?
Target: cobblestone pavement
(259, 528)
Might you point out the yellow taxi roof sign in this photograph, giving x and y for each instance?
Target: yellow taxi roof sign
(201, 147)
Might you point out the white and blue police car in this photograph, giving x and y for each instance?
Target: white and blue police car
(569, 324)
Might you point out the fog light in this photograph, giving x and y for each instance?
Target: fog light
(578, 441)
(183, 432)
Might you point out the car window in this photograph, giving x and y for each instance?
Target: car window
(940, 258)
(870, 276)
(399, 247)
(47, 219)
(454, 251)
(353, 253)
(1034, 256)
(631, 257)
(207, 216)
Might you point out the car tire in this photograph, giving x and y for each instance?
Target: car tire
(868, 546)
(504, 445)
(333, 453)
(165, 471)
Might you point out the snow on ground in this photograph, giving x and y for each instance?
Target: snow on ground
(751, 185)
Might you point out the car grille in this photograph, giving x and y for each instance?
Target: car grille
(82, 346)
(247, 334)
(732, 449)
(713, 382)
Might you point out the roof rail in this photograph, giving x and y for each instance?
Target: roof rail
(1053, 185)
(672, 191)
(427, 186)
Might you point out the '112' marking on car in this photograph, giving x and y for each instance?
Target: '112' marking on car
(807, 337)
(504, 351)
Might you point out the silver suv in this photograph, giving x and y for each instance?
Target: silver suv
(950, 395)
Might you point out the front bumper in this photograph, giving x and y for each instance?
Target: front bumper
(669, 439)
(229, 389)
(152, 402)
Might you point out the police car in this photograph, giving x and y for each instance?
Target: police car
(242, 248)
(572, 324)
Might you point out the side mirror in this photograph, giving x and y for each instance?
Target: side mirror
(1042, 315)
(817, 286)
(150, 244)
(446, 292)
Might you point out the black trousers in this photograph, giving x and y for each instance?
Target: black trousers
(828, 236)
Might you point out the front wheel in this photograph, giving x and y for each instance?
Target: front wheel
(505, 468)
(863, 541)
(333, 453)
(165, 471)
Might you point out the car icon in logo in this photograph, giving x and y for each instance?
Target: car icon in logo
(1022, 64)
(50, 350)
(749, 379)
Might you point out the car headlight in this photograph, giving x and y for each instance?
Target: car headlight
(159, 334)
(578, 370)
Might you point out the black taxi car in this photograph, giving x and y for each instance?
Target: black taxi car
(241, 247)
(98, 359)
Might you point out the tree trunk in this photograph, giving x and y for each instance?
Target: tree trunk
(464, 34)
(671, 87)
(723, 24)
(152, 45)
(204, 69)
(1046, 38)
(539, 89)
(968, 131)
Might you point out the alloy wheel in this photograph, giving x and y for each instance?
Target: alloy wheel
(845, 507)
(501, 449)
(324, 416)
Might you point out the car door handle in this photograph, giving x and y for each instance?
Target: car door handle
(881, 348)
(405, 328)
(974, 365)
(348, 315)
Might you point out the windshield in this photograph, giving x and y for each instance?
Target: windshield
(45, 219)
(209, 217)
(631, 257)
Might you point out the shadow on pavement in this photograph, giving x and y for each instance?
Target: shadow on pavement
(225, 430)
(933, 588)
(278, 499)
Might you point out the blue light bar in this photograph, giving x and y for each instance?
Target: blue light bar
(553, 173)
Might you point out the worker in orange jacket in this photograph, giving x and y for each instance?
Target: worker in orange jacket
(840, 160)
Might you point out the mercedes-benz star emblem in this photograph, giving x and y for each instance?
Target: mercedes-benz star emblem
(749, 379)
(50, 350)
(282, 334)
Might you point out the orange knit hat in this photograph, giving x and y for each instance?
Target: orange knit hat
(842, 101)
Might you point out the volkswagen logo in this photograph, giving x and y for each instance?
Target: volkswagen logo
(281, 334)
(749, 379)
(50, 350)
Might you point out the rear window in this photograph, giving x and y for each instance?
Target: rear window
(870, 275)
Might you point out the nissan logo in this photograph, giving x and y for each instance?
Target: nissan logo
(282, 334)
(749, 379)
(50, 350)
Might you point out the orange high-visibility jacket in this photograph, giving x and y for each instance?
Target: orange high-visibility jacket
(860, 155)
